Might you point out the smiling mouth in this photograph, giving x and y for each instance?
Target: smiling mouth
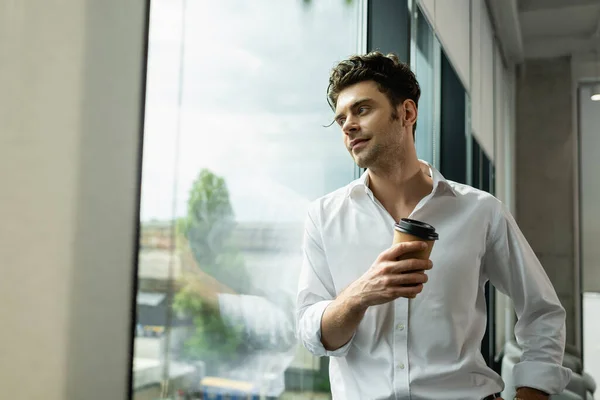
(358, 143)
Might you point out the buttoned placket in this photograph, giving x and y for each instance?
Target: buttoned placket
(401, 370)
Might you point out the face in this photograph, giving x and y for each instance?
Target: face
(375, 133)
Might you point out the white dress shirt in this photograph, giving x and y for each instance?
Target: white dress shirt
(429, 347)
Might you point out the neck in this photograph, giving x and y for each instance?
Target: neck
(401, 187)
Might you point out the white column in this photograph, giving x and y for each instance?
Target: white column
(70, 110)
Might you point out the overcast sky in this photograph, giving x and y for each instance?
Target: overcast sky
(254, 81)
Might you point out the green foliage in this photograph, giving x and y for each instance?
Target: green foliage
(210, 220)
(208, 226)
(213, 341)
(187, 302)
(322, 384)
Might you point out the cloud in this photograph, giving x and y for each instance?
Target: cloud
(253, 103)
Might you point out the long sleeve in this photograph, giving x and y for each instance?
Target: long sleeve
(514, 269)
(315, 292)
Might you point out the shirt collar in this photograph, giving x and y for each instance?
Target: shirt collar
(439, 182)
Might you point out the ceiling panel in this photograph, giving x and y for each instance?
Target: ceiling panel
(570, 21)
(534, 5)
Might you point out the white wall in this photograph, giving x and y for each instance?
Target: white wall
(70, 103)
(475, 40)
(464, 29)
(584, 69)
(483, 49)
(501, 178)
(450, 20)
(589, 137)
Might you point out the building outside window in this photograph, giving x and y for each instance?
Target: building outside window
(235, 148)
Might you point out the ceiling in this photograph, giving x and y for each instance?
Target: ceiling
(547, 28)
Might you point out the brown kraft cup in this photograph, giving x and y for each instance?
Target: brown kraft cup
(410, 230)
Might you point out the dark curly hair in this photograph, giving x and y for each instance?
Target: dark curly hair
(393, 77)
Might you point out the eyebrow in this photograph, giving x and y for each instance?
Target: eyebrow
(353, 106)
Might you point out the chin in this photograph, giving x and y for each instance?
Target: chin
(364, 158)
(362, 162)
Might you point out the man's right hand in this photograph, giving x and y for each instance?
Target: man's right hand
(388, 279)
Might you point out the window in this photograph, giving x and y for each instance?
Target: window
(234, 151)
(476, 162)
(426, 48)
(482, 178)
(389, 27)
(453, 151)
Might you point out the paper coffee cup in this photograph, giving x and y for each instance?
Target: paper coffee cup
(410, 230)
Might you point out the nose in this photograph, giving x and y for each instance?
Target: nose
(350, 126)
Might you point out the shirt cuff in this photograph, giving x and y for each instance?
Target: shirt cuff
(547, 377)
(310, 332)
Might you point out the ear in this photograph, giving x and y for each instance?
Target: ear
(408, 113)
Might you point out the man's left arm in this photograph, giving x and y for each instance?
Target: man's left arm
(514, 269)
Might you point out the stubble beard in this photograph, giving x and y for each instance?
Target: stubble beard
(369, 155)
(381, 156)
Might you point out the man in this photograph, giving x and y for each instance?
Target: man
(412, 329)
(268, 333)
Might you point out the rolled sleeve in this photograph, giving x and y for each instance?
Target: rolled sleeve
(547, 377)
(311, 332)
(315, 291)
(514, 269)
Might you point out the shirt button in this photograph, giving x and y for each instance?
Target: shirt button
(400, 327)
(401, 366)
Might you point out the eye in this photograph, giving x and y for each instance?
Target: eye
(362, 110)
(341, 121)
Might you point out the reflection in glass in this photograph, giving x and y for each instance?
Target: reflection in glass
(234, 151)
(424, 70)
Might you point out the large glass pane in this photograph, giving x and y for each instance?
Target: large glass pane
(424, 66)
(476, 164)
(453, 124)
(389, 27)
(235, 149)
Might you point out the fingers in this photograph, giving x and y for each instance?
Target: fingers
(403, 266)
(400, 249)
(409, 292)
(410, 279)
